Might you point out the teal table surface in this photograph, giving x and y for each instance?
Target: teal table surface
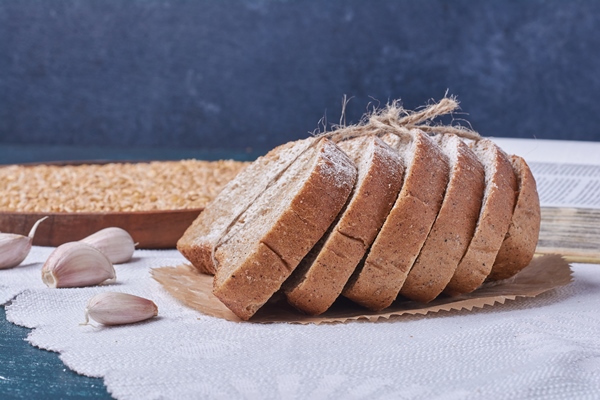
(27, 372)
(14, 154)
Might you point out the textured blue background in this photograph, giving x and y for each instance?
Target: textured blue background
(238, 74)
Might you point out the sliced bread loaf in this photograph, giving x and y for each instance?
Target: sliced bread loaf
(322, 274)
(494, 218)
(376, 282)
(519, 244)
(454, 226)
(270, 238)
(199, 241)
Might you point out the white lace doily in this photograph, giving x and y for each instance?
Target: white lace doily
(547, 347)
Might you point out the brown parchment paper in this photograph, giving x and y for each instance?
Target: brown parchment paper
(195, 290)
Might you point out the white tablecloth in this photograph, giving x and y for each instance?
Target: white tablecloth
(547, 347)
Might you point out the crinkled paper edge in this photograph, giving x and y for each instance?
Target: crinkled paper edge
(194, 290)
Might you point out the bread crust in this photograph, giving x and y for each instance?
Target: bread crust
(494, 219)
(453, 228)
(376, 282)
(200, 240)
(322, 274)
(270, 253)
(518, 247)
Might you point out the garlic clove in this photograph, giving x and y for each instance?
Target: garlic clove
(15, 248)
(115, 243)
(76, 264)
(113, 308)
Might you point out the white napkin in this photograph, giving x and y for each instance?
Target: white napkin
(547, 347)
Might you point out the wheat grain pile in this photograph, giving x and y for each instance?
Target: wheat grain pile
(159, 185)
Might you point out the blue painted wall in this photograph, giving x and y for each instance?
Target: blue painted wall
(239, 74)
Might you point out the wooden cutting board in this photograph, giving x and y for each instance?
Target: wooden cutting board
(150, 229)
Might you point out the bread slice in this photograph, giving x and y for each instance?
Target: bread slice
(199, 241)
(322, 274)
(454, 226)
(521, 240)
(272, 236)
(376, 282)
(494, 218)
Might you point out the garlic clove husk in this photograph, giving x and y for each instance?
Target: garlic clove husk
(77, 264)
(15, 248)
(113, 308)
(115, 243)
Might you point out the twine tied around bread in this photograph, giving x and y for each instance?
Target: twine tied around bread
(397, 120)
(391, 119)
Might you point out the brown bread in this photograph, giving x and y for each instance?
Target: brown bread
(454, 226)
(454, 217)
(322, 274)
(200, 240)
(375, 284)
(496, 212)
(276, 231)
(519, 244)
